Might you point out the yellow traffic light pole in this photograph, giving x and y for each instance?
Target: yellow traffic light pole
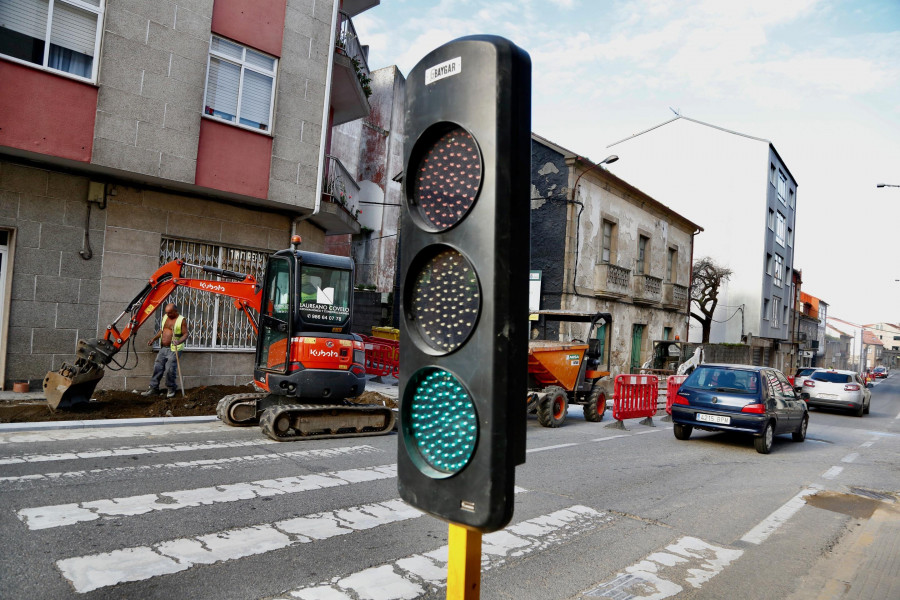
(464, 566)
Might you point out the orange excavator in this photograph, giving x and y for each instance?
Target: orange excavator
(307, 365)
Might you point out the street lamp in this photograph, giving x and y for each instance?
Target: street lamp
(881, 185)
(606, 161)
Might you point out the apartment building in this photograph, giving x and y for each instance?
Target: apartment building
(133, 132)
(600, 244)
(747, 197)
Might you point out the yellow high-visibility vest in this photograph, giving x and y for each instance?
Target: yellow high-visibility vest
(176, 332)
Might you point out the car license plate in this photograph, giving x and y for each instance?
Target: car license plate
(714, 419)
(828, 396)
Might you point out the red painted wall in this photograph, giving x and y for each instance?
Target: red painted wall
(232, 159)
(255, 23)
(46, 113)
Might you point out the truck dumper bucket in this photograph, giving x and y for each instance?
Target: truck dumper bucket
(65, 388)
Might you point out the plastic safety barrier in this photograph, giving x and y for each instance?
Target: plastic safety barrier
(382, 356)
(673, 382)
(635, 396)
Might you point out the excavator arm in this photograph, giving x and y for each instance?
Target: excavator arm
(74, 383)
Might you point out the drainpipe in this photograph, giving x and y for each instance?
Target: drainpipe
(326, 119)
(687, 334)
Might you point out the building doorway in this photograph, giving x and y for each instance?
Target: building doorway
(637, 337)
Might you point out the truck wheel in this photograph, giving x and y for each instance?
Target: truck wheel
(552, 407)
(596, 405)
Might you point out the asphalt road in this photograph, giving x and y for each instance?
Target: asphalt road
(207, 511)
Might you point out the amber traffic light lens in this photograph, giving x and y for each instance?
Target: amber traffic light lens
(445, 300)
(447, 179)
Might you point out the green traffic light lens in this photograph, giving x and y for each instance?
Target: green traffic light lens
(445, 300)
(441, 421)
(447, 179)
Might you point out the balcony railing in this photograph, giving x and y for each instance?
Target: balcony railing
(339, 185)
(647, 289)
(611, 281)
(348, 44)
(675, 296)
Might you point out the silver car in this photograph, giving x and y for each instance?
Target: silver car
(801, 376)
(838, 389)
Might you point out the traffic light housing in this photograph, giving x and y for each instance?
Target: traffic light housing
(464, 270)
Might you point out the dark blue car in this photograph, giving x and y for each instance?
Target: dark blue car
(759, 401)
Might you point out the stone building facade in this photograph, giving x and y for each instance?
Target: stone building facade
(611, 248)
(194, 129)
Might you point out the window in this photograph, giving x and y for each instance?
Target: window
(770, 222)
(240, 85)
(769, 264)
(782, 185)
(791, 198)
(606, 254)
(667, 333)
(776, 310)
(779, 228)
(779, 269)
(642, 253)
(215, 323)
(772, 174)
(672, 264)
(72, 26)
(896, 337)
(766, 309)
(790, 237)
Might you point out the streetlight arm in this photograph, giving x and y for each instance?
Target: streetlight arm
(608, 160)
(881, 185)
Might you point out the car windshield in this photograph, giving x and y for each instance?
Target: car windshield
(737, 381)
(831, 377)
(879, 369)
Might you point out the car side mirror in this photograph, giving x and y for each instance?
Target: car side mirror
(870, 385)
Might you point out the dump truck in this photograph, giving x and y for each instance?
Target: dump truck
(561, 373)
(307, 365)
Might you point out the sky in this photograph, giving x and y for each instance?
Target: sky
(820, 79)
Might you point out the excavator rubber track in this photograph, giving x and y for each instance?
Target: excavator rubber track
(290, 422)
(239, 410)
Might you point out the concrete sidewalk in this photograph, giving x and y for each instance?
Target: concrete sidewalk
(865, 565)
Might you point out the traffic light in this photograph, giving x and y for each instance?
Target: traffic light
(464, 280)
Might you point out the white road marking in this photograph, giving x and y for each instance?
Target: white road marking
(832, 472)
(850, 457)
(688, 561)
(770, 524)
(133, 451)
(45, 517)
(102, 433)
(612, 437)
(647, 431)
(550, 447)
(208, 463)
(415, 575)
(95, 571)
(867, 444)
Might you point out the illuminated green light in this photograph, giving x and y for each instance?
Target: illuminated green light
(442, 421)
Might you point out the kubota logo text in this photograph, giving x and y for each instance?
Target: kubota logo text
(324, 353)
(212, 287)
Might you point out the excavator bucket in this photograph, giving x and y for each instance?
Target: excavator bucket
(65, 389)
(74, 384)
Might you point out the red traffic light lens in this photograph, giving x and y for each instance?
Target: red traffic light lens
(447, 179)
(445, 300)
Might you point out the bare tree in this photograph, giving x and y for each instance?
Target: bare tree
(706, 279)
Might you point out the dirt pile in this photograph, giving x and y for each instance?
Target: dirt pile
(118, 404)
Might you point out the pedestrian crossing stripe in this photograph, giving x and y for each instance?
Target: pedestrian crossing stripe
(206, 463)
(61, 515)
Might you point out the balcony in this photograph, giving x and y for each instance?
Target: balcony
(340, 200)
(647, 289)
(351, 78)
(675, 296)
(611, 281)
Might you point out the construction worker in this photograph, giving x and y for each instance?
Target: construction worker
(172, 334)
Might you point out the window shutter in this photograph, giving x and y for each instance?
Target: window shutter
(73, 28)
(257, 98)
(222, 87)
(25, 16)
